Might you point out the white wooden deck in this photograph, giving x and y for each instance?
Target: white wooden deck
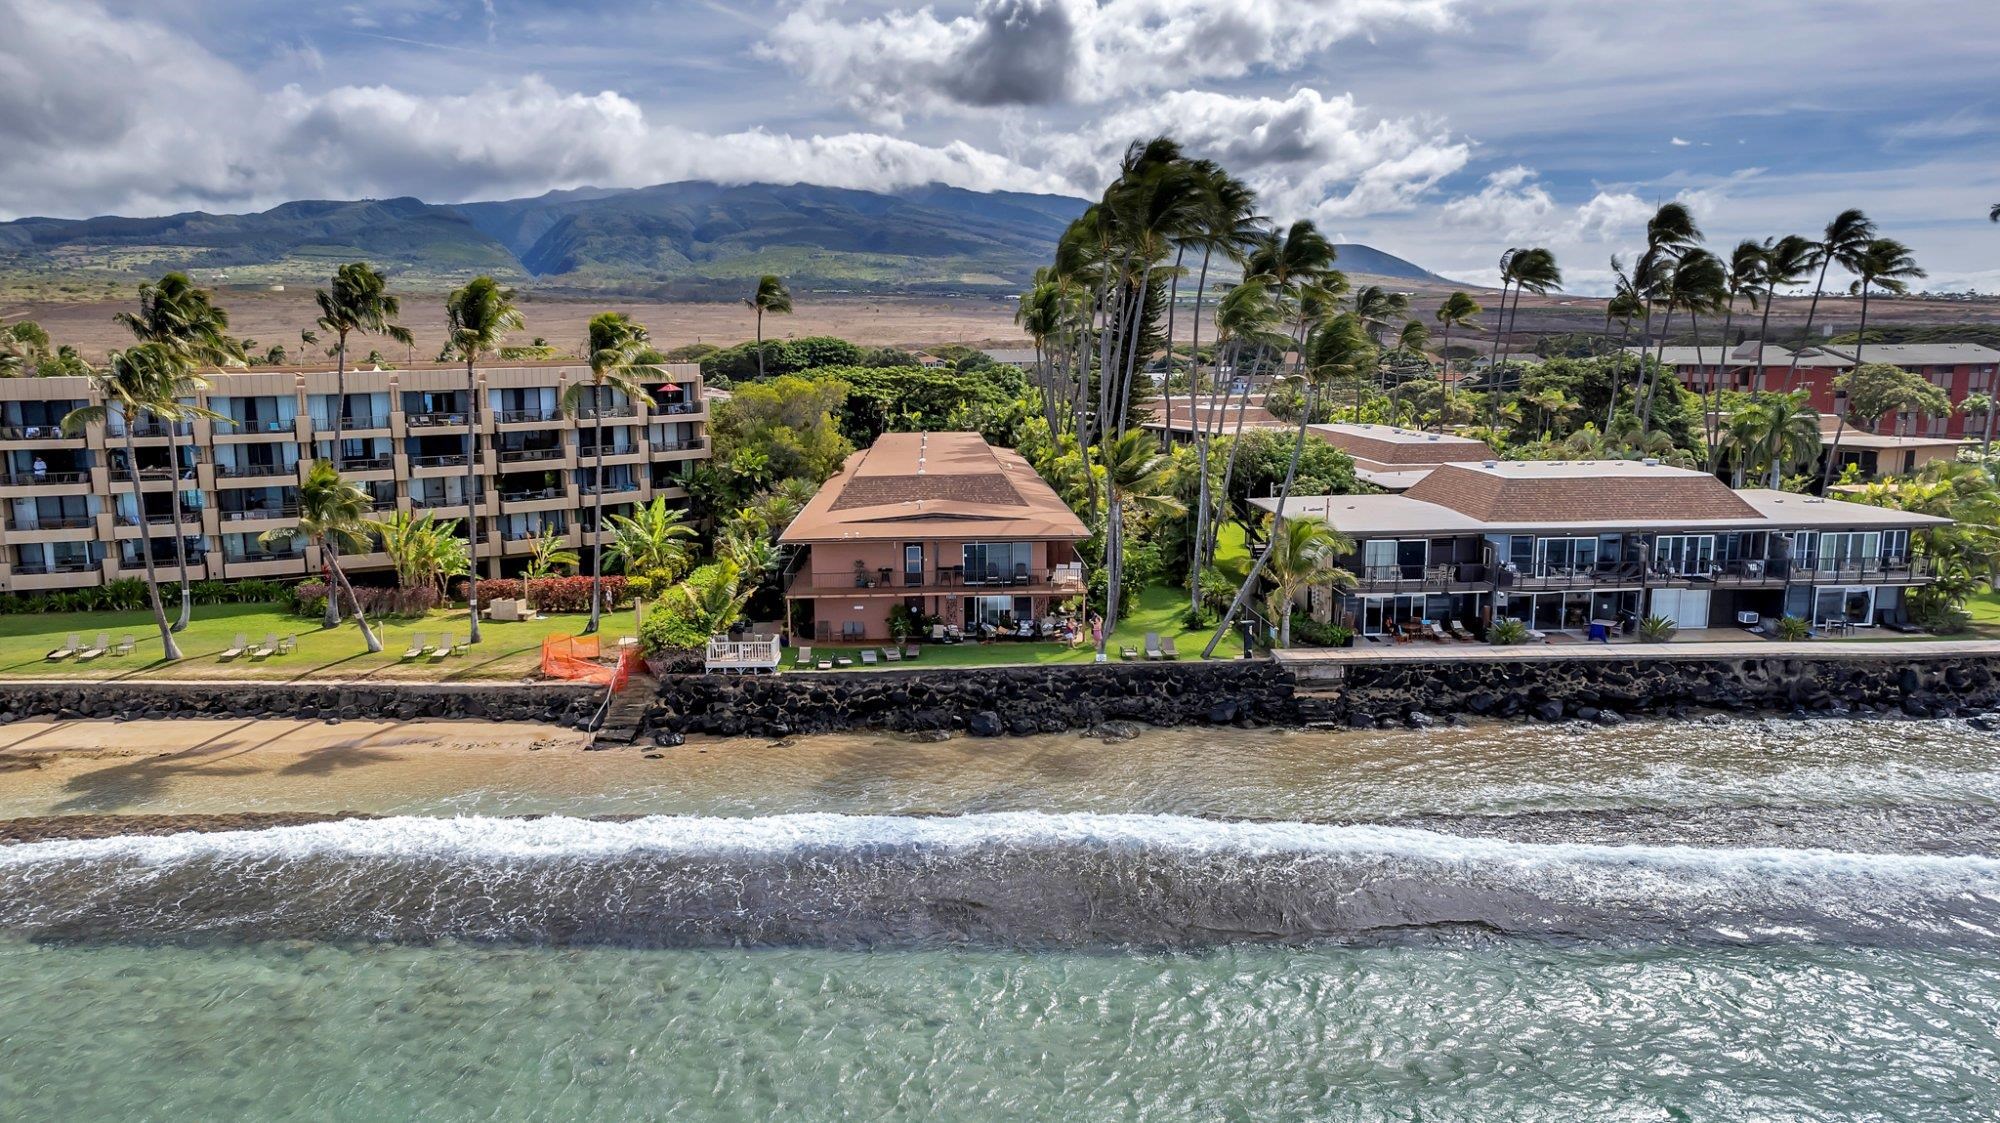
(746, 656)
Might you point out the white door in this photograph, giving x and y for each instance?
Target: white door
(1685, 608)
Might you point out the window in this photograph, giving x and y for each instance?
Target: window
(1684, 554)
(913, 563)
(1565, 555)
(996, 562)
(1844, 604)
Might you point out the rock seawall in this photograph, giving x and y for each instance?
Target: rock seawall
(1599, 688)
(985, 701)
(563, 705)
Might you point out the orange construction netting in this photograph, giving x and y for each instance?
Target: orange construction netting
(575, 658)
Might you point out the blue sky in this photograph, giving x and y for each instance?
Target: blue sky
(1442, 130)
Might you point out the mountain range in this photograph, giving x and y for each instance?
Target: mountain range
(691, 239)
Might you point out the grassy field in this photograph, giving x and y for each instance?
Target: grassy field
(1985, 611)
(507, 651)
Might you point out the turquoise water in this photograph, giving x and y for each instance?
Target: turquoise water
(1733, 921)
(1508, 1032)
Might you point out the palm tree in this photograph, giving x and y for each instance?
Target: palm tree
(1993, 215)
(333, 515)
(771, 296)
(1552, 404)
(140, 380)
(1339, 349)
(1535, 271)
(477, 317)
(186, 319)
(1246, 316)
(1135, 474)
(1700, 283)
(1376, 308)
(651, 542)
(1302, 554)
(1784, 431)
(1741, 281)
(1843, 242)
(1457, 311)
(358, 302)
(618, 354)
(1626, 304)
(1787, 264)
(1885, 264)
(423, 550)
(1670, 233)
(548, 554)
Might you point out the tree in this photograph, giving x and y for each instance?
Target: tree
(333, 515)
(1875, 389)
(776, 430)
(1741, 281)
(1531, 270)
(705, 605)
(771, 296)
(186, 320)
(1303, 553)
(423, 550)
(651, 542)
(1843, 242)
(477, 318)
(359, 301)
(619, 355)
(1781, 430)
(1135, 480)
(1788, 261)
(1699, 283)
(1457, 311)
(146, 379)
(1670, 233)
(1886, 264)
(548, 554)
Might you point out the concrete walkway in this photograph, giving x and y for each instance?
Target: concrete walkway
(1555, 652)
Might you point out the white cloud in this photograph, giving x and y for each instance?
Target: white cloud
(1679, 143)
(1038, 52)
(1308, 155)
(165, 135)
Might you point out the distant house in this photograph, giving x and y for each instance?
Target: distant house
(1170, 414)
(1021, 358)
(941, 523)
(1395, 459)
(929, 361)
(1565, 545)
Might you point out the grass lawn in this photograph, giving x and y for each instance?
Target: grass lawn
(1160, 610)
(507, 651)
(1985, 611)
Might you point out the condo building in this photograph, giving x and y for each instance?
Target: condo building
(1565, 546)
(1961, 370)
(405, 436)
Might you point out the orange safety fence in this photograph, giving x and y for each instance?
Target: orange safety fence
(576, 658)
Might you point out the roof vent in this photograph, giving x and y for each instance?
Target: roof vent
(1489, 464)
(1435, 437)
(1651, 462)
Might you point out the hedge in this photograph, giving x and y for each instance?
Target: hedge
(557, 594)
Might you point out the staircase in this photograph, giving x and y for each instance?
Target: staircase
(623, 715)
(1318, 692)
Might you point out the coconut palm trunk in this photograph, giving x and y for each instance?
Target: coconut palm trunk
(597, 518)
(1444, 377)
(1840, 419)
(169, 650)
(1284, 494)
(180, 534)
(1805, 338)
(342, 587)
(472, 499)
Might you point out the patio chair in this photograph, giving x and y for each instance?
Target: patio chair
(1459, 632)
(419, 643)
(237, 648)
(824, 665)
(262, 649)
(952, 634)
(1538, 637)
(1167, 648)
(868, 657)
(1127, 652)
(443, 648)
(911, 652)
(126, 645)
(1153, 647)
(1435, 631)
(802, 658)
(892, 655)
(842, 661)
(70, 647)
(937, 633)
(102, 645)
(288, 645)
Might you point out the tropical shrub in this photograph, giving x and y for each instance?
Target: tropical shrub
(558, 594)
(1507, 632)
(1793, 628)
(1657, 629)
(1312, 633)
(309, 599)
(704, 605)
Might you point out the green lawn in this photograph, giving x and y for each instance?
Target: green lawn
(1160, 610)
(507, 651)
(1985, 610)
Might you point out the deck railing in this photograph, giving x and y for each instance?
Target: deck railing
(741, 655)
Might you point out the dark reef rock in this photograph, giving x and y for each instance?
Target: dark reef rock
(553, 703)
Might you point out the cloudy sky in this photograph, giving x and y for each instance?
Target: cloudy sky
(1441, 130)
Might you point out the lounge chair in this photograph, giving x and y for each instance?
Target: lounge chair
(1167, 648)
(842, 661)
(1538, 637)
(70, 647)
(952, 634)
(236, 650)
(868, 657)
(824, 665)
(288, 645)
(802, 658)
(937, 633)
(1127, 652)
(443, 648)
(1436, 632)
(892, 655)
(1153, 653)
(102, 645)
(126, 646)
(911, 652)
(1459, 632)
(267, 648)
(419, 643)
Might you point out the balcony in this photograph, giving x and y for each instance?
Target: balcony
(434, 502)
(529, 455)
(240, 557)
(692, 444)
(526, 416)
(432, 420)
(352, 422)
(151, 475)
(36, 433)
(161, 518)
(37, 569)
(676, 409)
(42, 479)
(77, 522)
(367, 463)
(532, 495)
(1060, 581)
(612, 487)
(248, 471)
(283, 511)
(440, 460)
(592, 413)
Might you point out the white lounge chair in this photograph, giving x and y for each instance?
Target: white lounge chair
(1153, 653)
(911, 652)
(70, 647)
(443, 648)
(419, 643)
(802, 658)
(238, 648)
(288, 645)
(868, 657)
(267, 648)
(102, 645)
(126, 646)
(1168, 649)
(892, 655)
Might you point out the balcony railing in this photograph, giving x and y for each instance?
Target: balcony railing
(528, 455)
(35, 433)
(283, 511)
(149, 475)
(611, 487)
(44, 568)
(531, 495)
(692, 444)
(526, 534)
(677, 408)
(350, 422)
(66, 522)
(38, 479)
(439, 460)
(432, 419)
(255, 471)
(590, 413)
(1062, 577)
(432, 502)
(367, 463)
(159, 518)
(267, 426)
(238, 556)
(522, 416)
(143, 429)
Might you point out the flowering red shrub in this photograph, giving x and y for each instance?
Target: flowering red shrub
(557, 594)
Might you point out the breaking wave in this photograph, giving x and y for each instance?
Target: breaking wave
(1007, 879)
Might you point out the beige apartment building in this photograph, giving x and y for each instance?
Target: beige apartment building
(404, 436)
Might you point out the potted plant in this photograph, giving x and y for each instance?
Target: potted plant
(1657, 629)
